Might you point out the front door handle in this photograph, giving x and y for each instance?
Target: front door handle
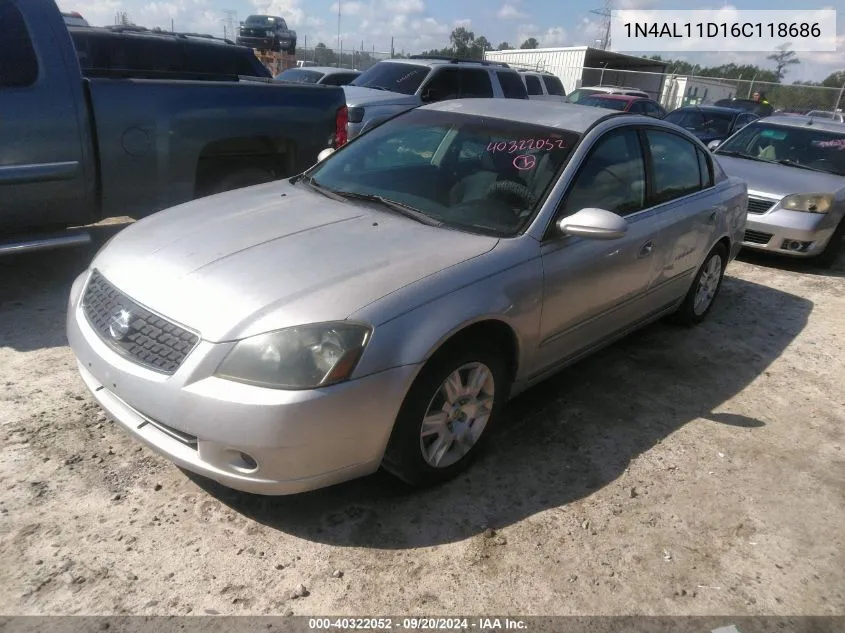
(646, 249)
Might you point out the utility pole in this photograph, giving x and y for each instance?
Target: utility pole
(338, 25)
(229, 24)
(391, 47)
(606, 14)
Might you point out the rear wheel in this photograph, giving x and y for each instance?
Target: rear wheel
(705, 287)
(447, 415)
(826, 258)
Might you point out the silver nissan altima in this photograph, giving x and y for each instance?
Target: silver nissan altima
(381, 308)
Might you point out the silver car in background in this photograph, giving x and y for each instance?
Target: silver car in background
(795, 170)
(382, 307)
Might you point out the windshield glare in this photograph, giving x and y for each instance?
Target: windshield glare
(813, 148)
(577, 95)
(610, 104)
(300, 76)
(395, 77)
(711, 123)
(480, 175)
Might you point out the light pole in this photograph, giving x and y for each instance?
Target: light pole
(338, 31)
(601, 77)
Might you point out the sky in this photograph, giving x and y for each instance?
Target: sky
(418, 25)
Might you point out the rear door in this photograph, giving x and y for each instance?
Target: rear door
(42, 160)
(680, 196)
(475, 83)
(533, 86)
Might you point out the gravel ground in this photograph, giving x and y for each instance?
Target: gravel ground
(678, 472)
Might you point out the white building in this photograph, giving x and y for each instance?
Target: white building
(682, 90)
(578, 66)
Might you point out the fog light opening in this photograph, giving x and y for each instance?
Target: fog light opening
(795, 246)
(242, 462)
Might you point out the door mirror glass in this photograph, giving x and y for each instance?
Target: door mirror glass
(713, 145)
(593, 224)
(325, 154)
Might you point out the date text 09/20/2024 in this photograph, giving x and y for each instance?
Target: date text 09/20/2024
(418, 624)
(724, 29)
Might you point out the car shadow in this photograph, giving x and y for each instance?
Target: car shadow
(563, 439)
(793, 264)
(34, 289)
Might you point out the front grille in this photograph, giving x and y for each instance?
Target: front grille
(134, 331)
(757, 237)
(758, 206)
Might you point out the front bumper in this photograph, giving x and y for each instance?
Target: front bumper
(793, 233)
(294, 441)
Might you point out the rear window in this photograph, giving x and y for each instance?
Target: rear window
(553, 86)
(18, 63)
(512, 86)
(610, 104)
(300, 76)
(532, 84)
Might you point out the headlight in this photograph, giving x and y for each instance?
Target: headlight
(808, 202)
(302, 357)
(269, 33)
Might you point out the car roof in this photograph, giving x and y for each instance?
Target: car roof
(802, 121)
(613, 88)
(712, 108)
(326, 70)
(535, 72)
(613, 97)
(141, 32)
(564, 116)
(434, 61)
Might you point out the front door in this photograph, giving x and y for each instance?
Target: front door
(594, 288)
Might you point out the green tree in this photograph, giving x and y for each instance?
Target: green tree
(504, 46)
(530, 43)
(783, 59)
(462, 41)
(834, 80)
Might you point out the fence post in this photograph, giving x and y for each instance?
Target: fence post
(838, 99)
(750, 86)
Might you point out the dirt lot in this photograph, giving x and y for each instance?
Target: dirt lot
(679, 472)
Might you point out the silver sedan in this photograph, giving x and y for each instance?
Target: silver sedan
(380, 309)
(795, 170)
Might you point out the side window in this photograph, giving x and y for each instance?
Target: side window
(611, 178)
(705, 171)
(475, 83)
(652, 109)
(553, 86)
(445, 84)
(674, 166)
(637, 107)
(18, 63)
(512, 86)
(532, 84)
(406, 150)
(282, 25)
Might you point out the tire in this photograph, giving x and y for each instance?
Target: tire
(241, 178)
(834, 246)
(690, 313)
(404, 456)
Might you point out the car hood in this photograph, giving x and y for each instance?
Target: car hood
(777, 181)
(358, 95)
(274, 256)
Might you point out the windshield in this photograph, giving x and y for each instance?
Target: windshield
(395, 77)
(300, 76)
(804, 147)
(599, 102)
(261, 20)
(702, 122)
(576, 95)
(471, 173)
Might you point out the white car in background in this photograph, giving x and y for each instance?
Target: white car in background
(576, 95)
(824, 114)
(73, 18)
(543, 86)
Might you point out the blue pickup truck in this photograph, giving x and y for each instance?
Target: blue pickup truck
(80, 145)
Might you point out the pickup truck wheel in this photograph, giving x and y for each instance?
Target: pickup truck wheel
(704, 289)
(241, 178)
(826, 258)
(447, 414)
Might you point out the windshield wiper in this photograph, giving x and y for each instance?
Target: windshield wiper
(313, 184)
(399, 207)
(792, 163)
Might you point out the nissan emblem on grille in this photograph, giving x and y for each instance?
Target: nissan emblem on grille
(134, 331)
(119, 323)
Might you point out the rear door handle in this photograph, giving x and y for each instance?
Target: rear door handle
(646, 249)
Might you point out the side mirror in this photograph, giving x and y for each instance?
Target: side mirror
(325, 154)
(594, 224)
(713, 145)
(428, 95)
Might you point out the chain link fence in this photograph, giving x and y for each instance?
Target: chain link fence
(355, 58)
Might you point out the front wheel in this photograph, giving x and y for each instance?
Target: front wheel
(826, 258)
(447, 415)
(704, 288)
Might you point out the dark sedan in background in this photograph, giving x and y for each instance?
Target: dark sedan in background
(710, 123)
(625, 103)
